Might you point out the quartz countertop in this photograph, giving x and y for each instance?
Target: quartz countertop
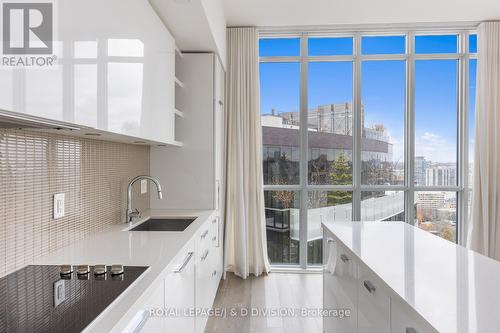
(116, 245)
(452, 288)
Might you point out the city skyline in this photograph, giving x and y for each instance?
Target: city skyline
(383, 90)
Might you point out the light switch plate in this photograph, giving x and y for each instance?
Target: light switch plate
(59, 205)
(144, 186)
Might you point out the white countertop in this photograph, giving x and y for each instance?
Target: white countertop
(453, 288)
(116, 245)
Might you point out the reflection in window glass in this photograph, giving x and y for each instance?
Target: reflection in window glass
(382, 206)
(125, 97)
(383, 45)
(85, 49)
(436, 212)
(279, 88)
(125, 48)
(436, 44)
(270, 47)
(330, 46)
(44, 92)
(382, 143)
(436, 122)
(282, 226)
(330, 123)
(472, 43)
(86, 94)
(324, 206)
(7, 88)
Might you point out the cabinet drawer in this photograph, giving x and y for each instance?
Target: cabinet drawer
(215, 231)
(203, 238)
(374, 303)
(339, 287)
(405, 320)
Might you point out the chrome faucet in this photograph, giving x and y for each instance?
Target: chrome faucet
(135, 213)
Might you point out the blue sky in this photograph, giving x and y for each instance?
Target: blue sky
(383, 84)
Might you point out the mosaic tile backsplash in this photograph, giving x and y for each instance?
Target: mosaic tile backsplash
(93, 174)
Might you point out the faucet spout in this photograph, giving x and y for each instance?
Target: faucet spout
(130, 213)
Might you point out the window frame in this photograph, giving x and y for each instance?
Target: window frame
(410, 57)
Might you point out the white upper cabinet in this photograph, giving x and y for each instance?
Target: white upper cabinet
(114, 71)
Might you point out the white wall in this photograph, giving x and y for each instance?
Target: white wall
(217, 23)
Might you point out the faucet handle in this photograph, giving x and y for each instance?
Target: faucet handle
(133, 214)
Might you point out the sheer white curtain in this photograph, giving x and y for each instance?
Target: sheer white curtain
(484, 225)
(245, 233)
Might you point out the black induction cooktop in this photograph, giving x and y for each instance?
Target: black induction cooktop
(27, 302)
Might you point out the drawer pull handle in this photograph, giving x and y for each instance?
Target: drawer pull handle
(214, 273)
(330, 241)
(203, 235)
(188, 258)
(344, 258)
(369, 286)
(205, 255)
(411, 330)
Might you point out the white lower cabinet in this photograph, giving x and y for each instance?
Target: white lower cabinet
(208, 272)
(187, 291)
(405, 320)
(349, 284)
(374, 304)
(340, 288)
(180, 294)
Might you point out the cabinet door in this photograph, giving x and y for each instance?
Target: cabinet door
(373, 304)
(144, 321)
(405, 320)
(339, 288)
(216, 257)
(204, 272)
(179, 293)
(108, 75)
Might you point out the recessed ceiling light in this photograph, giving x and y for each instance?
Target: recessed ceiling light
(139, 142)
(93, 134)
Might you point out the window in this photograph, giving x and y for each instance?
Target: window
(329, 122)
(279, 105)
(346, 117)
(383, 110)
(330, 46)
(383, 45)
(436, 122)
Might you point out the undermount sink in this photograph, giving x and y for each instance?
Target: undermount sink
(165, 224)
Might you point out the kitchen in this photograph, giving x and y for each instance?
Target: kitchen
(218, 166)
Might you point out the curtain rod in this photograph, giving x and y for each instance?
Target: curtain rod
(385, 27)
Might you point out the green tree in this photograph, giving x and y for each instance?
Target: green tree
(341, 175)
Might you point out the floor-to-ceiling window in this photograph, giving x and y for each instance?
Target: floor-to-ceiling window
(364, 126)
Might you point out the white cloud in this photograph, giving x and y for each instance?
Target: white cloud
(435, 148)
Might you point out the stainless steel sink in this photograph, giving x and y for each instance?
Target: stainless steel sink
(165, 224)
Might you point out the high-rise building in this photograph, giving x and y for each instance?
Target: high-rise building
(420, 166)
(440, 176)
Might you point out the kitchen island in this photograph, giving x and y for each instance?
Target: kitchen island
(397, 278)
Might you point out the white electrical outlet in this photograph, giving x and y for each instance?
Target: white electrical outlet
(59, 292)
(144, 186)
(58, 205)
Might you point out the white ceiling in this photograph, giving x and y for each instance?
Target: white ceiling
(327, 12)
